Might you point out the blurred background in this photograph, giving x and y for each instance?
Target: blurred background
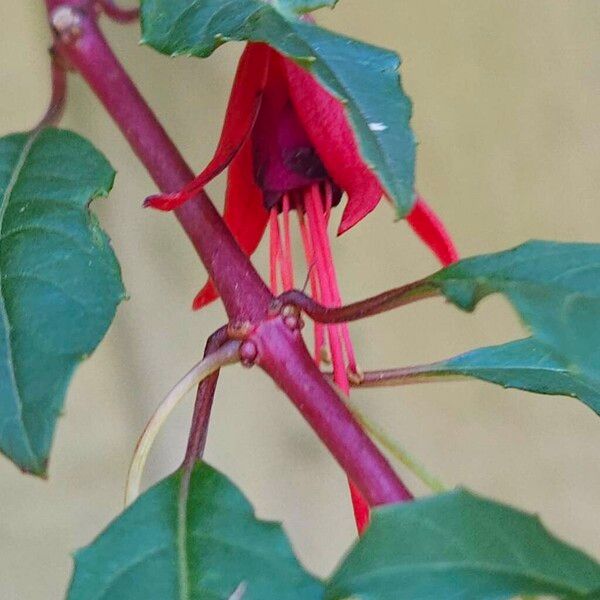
(507, 111)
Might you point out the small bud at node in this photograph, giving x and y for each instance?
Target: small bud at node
(293, 322)
(248, 353)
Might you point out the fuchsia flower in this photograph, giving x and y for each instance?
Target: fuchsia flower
(289, 147)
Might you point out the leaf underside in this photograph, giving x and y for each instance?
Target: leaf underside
(364, 77)
(59, 282)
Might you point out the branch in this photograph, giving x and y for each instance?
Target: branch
(204, 401)
(407, 294)
(58, 82)
(402, 376)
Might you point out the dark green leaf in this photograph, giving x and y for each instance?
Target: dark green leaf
(555, 288)
(550, 284)
(525, 365)
(59, 282)
(365, 78)
(155, 552)
(460, 546)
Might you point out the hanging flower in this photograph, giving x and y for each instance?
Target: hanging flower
(289, 149)
(283, 136)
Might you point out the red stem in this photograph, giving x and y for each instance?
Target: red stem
(95, 61)
(246, 298)
(283, 356)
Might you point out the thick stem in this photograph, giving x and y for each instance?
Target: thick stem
(283, 355)
(244, 294)
(86, 49)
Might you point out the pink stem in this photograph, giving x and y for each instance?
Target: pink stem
(283, 356)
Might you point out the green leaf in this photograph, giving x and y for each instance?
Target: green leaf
(364, 77)
(525, 365)
(555, 289)
(152, 552)
(59, 282)
(458, 545)
(545, 281)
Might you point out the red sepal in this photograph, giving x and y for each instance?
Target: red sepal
(205, 296)
(242, 109)
(324, 119)
(429, 227)
(245, 214)
(360, 508)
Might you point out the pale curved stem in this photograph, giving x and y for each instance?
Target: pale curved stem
(395, 449)
(398, 452)
(225, 355)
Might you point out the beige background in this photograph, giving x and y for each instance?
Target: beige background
(508, 116)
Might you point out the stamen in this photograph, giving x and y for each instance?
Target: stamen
(274, 249)
(314, 284)
(287, 267)
(328, 200)
(320, 243)
(335, 295)
(338, 334)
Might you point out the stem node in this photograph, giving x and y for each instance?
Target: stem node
(66, 22)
